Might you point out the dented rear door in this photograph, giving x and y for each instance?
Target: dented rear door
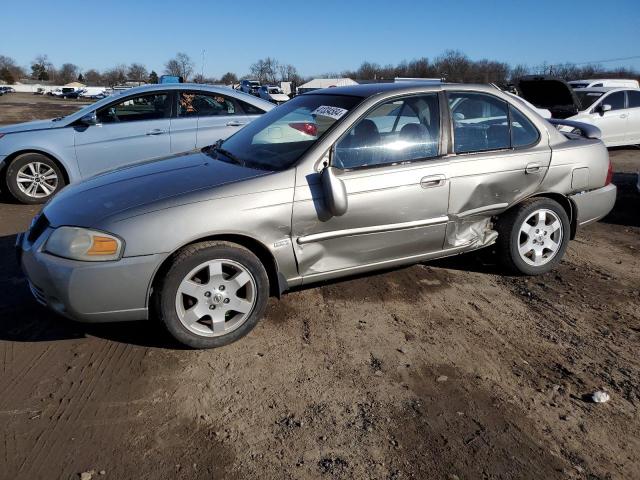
(493, 165)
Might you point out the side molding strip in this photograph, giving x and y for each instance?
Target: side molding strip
(486, 208)
(318, 237)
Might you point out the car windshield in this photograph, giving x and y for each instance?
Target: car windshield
(588, 98)
(278, 139)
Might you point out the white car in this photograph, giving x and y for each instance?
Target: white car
(272, 94)
(616, 112)
(93, 92)
(604, 82)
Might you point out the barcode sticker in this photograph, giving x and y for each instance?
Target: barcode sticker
(332, 112)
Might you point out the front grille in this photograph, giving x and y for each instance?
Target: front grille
(38, 227)
(38, 293)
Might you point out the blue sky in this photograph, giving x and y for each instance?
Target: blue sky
(319, 36)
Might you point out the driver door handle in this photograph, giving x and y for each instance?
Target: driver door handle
(433, 181)
(235, 123)
(156, 131)
(532, 168)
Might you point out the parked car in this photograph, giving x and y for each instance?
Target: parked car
(5, 89)
(272, 94)
(93, 92)
(39, 91)
(604, 82)
(136, 125)
(203, 239)
(250, 86)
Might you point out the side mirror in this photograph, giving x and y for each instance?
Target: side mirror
(604, 107)
(335, 192)
(90, 119)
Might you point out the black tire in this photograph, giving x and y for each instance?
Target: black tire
(11, 178)
(183, 263)
(509, 237)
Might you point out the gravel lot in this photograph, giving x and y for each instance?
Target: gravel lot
(443, 370)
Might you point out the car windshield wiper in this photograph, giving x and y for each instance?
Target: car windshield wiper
(228, 154)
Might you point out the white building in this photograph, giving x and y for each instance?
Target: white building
(318, 83)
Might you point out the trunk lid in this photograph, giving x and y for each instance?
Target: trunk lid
(551, 93)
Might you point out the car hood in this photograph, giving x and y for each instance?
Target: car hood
(30, 126)
(551, 93)
(154, 185)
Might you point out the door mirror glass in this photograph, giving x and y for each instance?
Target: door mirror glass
(89, 119)
(335, 192)
(605, 107)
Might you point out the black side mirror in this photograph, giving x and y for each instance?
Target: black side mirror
(90, 119)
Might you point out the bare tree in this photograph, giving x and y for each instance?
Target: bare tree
(9, 70)
(229, 78)
(180, 66)
(93, 77)
(265, 70)
(116, 75)
(68, 73)
(40, 68)
(137, 73)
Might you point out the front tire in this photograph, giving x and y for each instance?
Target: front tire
(33, 178)
(213, 294)
(533, 236)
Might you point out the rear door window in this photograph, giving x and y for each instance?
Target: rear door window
(480, 122)
(633, 97)
(523, 132)
(193, 104)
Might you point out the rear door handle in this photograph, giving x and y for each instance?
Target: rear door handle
(532, 168)
(156, 131)
(433, 181)
(235, 123)
(624, 115)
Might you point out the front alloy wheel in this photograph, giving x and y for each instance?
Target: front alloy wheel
(212, 294)
(33, 178)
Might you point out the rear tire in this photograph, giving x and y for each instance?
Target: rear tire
(33, 178)
(533, 236)
(213, 294)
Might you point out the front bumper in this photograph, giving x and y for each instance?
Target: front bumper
(88, 291)
(593, 205)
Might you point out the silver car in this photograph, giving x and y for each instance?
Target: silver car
(38, 158)
(376, 176)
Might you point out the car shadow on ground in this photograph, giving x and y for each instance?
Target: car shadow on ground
(625, 210)
(22, 319)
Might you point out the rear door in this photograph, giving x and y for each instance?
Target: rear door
(219, 116)
(633, 121)
(613, 123)
(499, 158)
(131, 130)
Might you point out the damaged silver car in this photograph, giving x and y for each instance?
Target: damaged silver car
(333, 183)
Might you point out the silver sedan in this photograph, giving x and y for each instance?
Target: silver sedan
(137, 125)
(376, 176)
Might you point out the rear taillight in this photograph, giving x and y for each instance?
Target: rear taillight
(609, 174)
(304, 127)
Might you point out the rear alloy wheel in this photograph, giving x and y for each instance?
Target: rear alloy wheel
(533, 236)
(33, 178)
(213, 294)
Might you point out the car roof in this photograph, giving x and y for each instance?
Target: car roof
(602, 89)
(370, 89)
(223, 89)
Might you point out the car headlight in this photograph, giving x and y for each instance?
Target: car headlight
(83, 244)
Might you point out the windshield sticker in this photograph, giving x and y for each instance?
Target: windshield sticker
(332, 112)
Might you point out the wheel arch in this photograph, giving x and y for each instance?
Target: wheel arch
(564, 201)
(277, 282)
(10, 158)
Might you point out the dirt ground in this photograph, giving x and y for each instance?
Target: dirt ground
(445, 370)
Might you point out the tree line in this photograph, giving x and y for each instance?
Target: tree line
(452, 66)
